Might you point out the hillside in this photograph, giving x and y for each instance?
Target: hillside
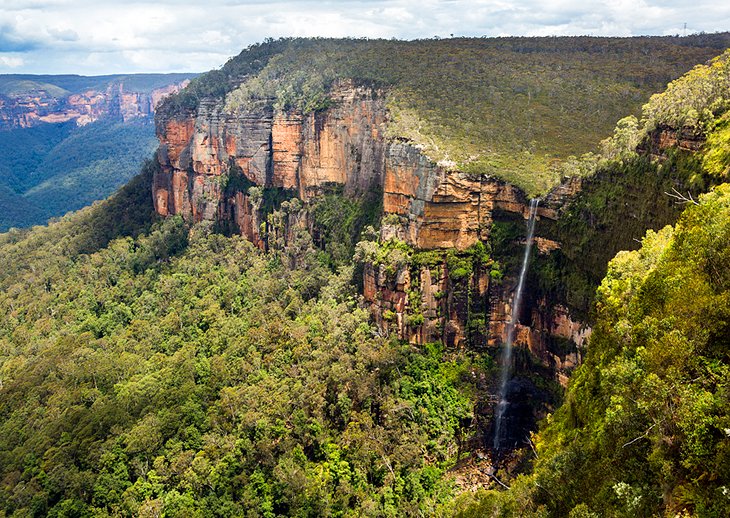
(193, 373)
(643, 430)
(645, 425)
(66, 141)
(52, 169)
(511, 107)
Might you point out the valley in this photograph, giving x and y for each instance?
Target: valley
(344, 285)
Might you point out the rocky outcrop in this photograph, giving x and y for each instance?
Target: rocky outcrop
(666, 137)
(343, 145)
(115, 102)
(435, 207)
(210, 159)
(423, 304)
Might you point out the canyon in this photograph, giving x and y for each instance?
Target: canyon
(331, 292)
(39, 105)
(438, 287)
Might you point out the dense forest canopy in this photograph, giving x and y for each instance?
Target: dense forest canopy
(148, 366)
(512, 107)
(51, 169)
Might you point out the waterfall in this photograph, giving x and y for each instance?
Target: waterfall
(506, 360)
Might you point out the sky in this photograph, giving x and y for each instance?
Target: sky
(94, 37)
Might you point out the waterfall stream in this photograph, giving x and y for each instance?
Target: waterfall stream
(506, 359)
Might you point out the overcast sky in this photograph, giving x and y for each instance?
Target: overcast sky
(106, 36)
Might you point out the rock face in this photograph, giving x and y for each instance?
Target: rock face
(665, 137)
(344, 145)
(428, 206)
(115, 101)
(201, 154)
(211, 159)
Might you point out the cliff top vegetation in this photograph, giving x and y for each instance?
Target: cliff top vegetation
(511, 107)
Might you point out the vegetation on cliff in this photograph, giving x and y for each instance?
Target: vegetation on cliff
(148, 368)
(645, 428)
(511, 107)
(633, 184)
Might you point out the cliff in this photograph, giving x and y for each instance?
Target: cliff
(444, 265)
(210, 159)
(23, 109)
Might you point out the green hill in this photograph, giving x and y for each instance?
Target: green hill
(191, 372)
(52, 169)
(512, 107)
(645, 427)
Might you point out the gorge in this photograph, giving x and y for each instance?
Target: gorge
(435, 273)
(481, 277)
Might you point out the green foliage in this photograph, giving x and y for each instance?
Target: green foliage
(624, 193)
(338, 221)
(694, 100)
(190, 374)
(645, 426)
(217, 83)
(716, 158)
(56, 168)
(613, 210)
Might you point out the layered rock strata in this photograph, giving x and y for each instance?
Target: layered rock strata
(427, 205)
(115, 102)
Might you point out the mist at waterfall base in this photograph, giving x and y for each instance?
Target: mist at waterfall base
(513, 395)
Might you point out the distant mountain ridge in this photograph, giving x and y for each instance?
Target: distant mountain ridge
(28, 100)
(68, 140)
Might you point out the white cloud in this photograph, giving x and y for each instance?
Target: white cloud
(106, 36)
(11, 62)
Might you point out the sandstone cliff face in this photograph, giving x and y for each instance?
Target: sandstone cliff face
(114, 102)
(426, 205)
(343, 145)
(423, 304)
(665, 137)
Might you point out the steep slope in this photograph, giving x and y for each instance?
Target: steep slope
(643, 430)
(155, 366)
(508, 107)
(645, 427)
(443, 267)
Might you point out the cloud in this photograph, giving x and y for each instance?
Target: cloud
(107, 36)
(11, 61)
(11, 40)
(63, 34)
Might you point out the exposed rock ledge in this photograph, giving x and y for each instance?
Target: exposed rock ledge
(435, 207)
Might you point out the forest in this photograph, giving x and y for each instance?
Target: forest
(51, 169)
(179, 368)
